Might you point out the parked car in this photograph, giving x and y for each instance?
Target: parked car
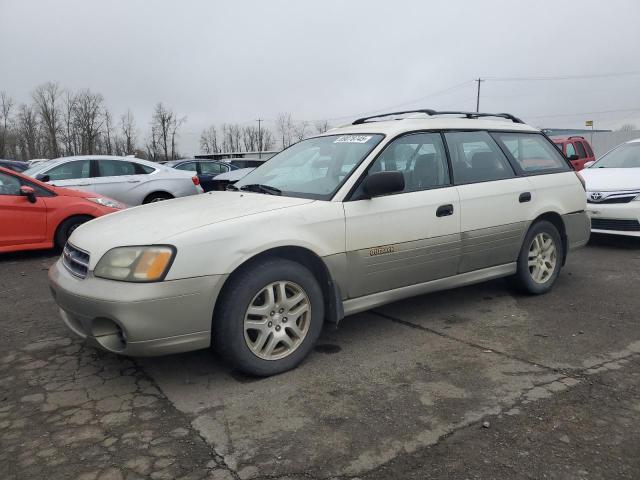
(127, 179)
(222, 181)
(245, 162)
(613, 191)
(205, 169)
(14, 165)
(36, 215)
(35, 161)
(576, 149)
(352, 219)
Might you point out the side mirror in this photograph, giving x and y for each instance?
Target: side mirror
(573, 157)
(383, 183)
(28, 192)
(43, 177)
(588, 164)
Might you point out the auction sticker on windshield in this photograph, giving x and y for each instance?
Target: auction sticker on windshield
(353, 139)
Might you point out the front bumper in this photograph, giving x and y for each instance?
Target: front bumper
(137, 319)
(606, 215)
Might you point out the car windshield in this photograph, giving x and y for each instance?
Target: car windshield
(313, 168)
(626, 155)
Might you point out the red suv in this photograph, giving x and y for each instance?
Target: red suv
(576, 149)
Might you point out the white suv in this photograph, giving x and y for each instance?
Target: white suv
(360, 216)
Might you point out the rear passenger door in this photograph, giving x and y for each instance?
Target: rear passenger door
(494, 203)
(208, 171)
(119, 178)
(407, 237)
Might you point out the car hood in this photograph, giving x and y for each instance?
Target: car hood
(609, 179)
(68, 192)
(156, 222)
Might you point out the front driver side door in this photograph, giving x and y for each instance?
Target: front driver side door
(76, 174)
(408, 237)
(22, 222)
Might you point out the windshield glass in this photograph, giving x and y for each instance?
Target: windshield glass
(626, 155)
(313, 168)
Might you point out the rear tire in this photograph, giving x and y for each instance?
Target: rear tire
(157, 197)
(540, 259)
(66, 228)
(268, 317)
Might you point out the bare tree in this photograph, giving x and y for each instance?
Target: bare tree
(627, 127)
(28, 131)
(129, 132)
(209, 140)
(268, 141)
(164, 126)
(6, 105)
(321, 126)
(284, 127)
(177, 123)
(231, 137)
(108, 132)
(300, 130)
(69, 131)
(88, 119)
(47, 104)
(250, 138)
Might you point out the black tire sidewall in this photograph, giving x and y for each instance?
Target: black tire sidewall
(523, 276)
(152, 196)
(63, 231)
(228, 324)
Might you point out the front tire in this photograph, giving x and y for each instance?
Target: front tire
(540, 259)
(66, 228)
(269, 317)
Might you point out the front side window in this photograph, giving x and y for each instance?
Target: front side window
(313, 168)
(211, 168)
(420, 157)
(9, 185)
(532, 152)
(626, 155)
(188, 166)
(70, 170)
(580, 148)
(475, 157)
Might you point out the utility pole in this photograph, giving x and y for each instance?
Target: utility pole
(259, 120)
(479, 80)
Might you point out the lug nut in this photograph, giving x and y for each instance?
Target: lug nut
(270, 324)
(277, 328)
(284, 320)
(281, 310)
(272, 313)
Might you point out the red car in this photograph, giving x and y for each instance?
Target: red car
(34, 215)
(576, 149)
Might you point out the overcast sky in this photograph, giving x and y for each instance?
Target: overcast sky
(235, 61)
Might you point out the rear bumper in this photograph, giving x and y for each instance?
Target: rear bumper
(137, 319)
(578, 229)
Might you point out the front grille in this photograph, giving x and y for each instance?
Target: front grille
(611, 197)
(75, 260)
(611, 224)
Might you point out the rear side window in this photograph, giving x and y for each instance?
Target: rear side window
(580, 148)
(475, 157)
(118, 168)
(570, 150)
(587, 147)
(213, 168)
(532, 152)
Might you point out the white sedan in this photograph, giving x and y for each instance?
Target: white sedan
(613, 191)
(127, 179)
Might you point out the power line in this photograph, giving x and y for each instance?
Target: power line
(563, 77)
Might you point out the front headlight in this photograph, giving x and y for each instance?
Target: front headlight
(136, 264)
(107, 202)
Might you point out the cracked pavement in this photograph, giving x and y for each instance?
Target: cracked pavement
(399, 392)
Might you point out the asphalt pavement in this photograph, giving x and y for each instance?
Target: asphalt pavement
(477, 382)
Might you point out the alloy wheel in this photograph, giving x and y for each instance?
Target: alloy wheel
(277, 320)
(542, 257)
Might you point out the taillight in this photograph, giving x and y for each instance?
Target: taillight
(195, 180)
(584, 185)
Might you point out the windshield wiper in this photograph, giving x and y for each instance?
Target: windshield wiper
(231, 186)
(261, 188)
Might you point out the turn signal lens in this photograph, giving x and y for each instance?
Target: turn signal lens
(136, 264)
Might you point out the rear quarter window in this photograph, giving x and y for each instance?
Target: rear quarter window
(532, 152)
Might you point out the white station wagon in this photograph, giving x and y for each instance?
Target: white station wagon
(360, 216)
